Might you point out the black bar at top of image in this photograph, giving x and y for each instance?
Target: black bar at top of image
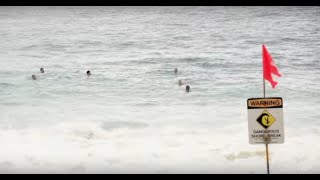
(161, 2)
(265, 98)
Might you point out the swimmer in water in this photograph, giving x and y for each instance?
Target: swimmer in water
(180, 82)
(176, 70)
(34, 77)
(41, 70)
(88, 73)
(188, 89)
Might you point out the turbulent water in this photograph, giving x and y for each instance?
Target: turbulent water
(130, 115)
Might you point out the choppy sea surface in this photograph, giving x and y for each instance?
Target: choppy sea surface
(130, 115)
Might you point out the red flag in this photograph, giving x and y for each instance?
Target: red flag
(268, 67)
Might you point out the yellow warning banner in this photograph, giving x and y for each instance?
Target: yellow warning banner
(256, 103)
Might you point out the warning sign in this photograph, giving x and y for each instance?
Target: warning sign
(265, 117)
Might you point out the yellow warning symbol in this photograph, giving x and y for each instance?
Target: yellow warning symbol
(266, 119)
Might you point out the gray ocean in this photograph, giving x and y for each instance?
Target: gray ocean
(130, 115)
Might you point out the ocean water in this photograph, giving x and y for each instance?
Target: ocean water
(130, 115)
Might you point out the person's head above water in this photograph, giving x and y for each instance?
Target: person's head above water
(176, 70)
(188, 89)
(34, 77)
(41, 70)
(88, 73)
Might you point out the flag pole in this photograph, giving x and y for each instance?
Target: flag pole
(266, 138)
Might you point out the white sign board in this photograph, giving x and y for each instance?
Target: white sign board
(265, 117)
